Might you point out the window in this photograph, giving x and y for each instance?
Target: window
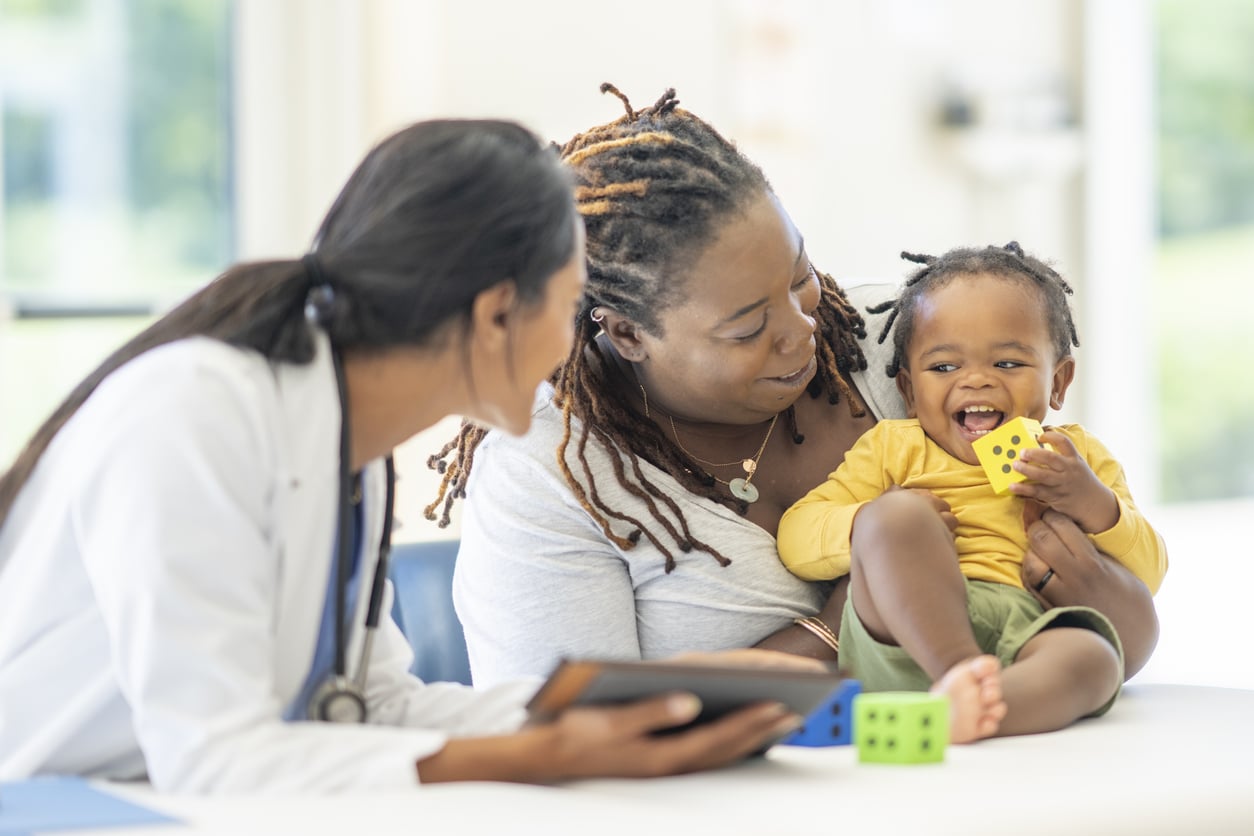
(116, 183)
(1205, 258)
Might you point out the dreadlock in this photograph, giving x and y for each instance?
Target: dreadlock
(1009, 261)
(654, 187)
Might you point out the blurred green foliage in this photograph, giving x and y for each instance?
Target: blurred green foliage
(28, 138)
(1203, 347)
(1205, 262)
(179, 119)
(1205, 114)
(174, 212)
(41, 8)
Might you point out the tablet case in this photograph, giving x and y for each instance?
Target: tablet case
(721, 689)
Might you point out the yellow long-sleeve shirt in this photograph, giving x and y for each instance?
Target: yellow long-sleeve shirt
(814, 535)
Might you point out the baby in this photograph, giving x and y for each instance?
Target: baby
(936, 598)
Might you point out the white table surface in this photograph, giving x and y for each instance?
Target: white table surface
(1168, 759)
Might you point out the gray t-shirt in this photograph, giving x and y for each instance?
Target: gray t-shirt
(537, 580)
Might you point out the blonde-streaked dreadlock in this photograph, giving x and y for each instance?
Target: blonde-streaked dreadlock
(654, 187)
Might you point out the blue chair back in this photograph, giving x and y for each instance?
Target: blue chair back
(422, 606)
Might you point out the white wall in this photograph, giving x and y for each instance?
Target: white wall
(838, 101)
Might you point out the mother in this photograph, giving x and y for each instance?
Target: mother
(716, 377)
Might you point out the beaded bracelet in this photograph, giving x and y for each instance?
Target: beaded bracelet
(819, 628)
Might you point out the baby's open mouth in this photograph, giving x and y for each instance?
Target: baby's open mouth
(979, 420)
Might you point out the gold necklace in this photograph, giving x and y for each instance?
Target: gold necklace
(741, 488)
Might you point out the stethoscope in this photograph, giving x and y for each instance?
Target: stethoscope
(341, 699)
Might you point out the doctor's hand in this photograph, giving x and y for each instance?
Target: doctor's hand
(617, 741)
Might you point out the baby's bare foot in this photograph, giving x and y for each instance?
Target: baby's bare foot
(976, 707)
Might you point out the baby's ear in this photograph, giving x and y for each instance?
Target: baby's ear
(906, 387)
(1064, 373)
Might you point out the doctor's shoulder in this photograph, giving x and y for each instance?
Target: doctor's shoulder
(193, 385)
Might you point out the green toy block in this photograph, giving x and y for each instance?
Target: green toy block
(998, 450)
(901, 727)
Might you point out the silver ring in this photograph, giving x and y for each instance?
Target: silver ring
(1040, 585)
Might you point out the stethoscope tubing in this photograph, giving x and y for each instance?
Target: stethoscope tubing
(344, 545)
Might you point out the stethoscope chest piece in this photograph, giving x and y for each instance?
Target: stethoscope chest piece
(338, 700)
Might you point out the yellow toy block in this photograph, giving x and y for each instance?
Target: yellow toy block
(998, 450)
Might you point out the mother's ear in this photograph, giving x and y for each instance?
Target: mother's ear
(623, 333)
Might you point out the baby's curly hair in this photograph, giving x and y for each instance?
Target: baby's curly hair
(1009, 261)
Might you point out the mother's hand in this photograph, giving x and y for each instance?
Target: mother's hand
(612, 741)
(1083, 576)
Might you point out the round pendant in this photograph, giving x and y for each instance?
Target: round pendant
(743, 490)
(749, 466)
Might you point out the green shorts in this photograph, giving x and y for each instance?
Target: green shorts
(1004, 619)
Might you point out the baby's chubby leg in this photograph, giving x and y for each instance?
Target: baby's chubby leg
(907, 590)
(1059, 676)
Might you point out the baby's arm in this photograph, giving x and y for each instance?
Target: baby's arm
(814, 534)
(1061, 479)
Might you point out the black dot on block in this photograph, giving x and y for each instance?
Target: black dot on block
(837, 728)
(1010, 454)
(892, 717)
(996, 449)
(1005, 468)
(892, 743)
(836, 709)
(1014, 439)
(927, 720)
(925, 743)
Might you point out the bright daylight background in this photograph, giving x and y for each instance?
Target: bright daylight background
(148, 143)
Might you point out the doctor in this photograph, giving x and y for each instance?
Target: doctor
(190, 547)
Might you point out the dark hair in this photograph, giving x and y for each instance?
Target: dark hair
(433, 215)
(1009, 262)
(654, 188)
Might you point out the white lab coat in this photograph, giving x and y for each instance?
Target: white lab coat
(162, 577)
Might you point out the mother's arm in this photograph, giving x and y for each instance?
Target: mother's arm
(802, 642)
(880, 394)
(536, 580)
(1086, 577)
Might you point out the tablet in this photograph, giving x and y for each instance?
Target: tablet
(721, 688)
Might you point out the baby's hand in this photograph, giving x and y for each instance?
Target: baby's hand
(1063, 480)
